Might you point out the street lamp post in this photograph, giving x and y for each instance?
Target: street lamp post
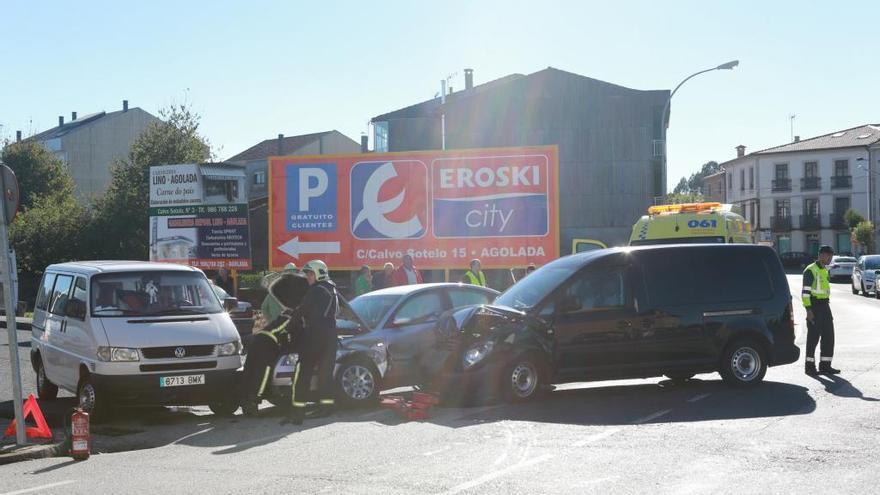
(664, 120)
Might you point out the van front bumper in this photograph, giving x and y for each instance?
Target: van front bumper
(145, 389)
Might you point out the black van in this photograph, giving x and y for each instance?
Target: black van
(673, 310)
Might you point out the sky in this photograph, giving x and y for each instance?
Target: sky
(255, 69)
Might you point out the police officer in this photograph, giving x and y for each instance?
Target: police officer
(475, 275)
(317, 342)
(820, 323)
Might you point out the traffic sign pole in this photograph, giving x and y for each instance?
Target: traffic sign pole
(7, 268)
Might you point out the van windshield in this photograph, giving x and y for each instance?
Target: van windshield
(152, 293)
(532, 289)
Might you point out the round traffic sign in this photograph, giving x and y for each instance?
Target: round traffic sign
(11, 193)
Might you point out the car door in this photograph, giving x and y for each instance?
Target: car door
(410, 333)
(857, 272)
(592, 318)
(60, 354)
(40, 326)
(79, 340)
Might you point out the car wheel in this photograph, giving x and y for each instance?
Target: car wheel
(864, 292)
(46, 390)
(91, 401)
(524, 378)
(358, 383)
(680, 377)
(223, 408)
(855, 290)
(744, 363)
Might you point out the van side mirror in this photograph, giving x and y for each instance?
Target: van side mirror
(75, 309)
(230, 303)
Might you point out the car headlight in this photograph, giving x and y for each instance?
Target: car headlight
(118, 354)
(229, 348)
(477, 353)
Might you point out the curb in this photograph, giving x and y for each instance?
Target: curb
(32, 452)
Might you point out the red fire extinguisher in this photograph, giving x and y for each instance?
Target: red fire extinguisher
(80, 439)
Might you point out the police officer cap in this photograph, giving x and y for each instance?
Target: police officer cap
(826, 249)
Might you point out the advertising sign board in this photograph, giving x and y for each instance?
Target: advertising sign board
(444, 208)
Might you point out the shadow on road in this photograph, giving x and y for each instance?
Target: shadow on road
(841, 387)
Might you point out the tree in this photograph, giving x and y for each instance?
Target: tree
(853, 218)
(681, 198)
(863, 235)
(38, 170)
(681, 187)
(122, 214)
(694, 184)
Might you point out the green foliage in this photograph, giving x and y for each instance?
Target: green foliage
(863, 235)
(694, 184)
(38, 170)
(853, 218)
(122, 216)
(680, 198)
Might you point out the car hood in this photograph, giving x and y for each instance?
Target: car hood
(165, 331)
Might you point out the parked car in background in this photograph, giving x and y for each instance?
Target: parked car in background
(628, 313)
(864, 275)
(387, 338)
(841, 267)
(795, 259)
(242, 315)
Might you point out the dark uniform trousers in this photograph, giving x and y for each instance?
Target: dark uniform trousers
(316, 346)
(821, 329)
(263, 352)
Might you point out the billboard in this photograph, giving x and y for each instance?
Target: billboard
(444, 208)
(199, 216)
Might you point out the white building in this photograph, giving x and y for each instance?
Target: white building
(795, 195)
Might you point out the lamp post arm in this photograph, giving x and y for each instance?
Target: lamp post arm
(669, 100)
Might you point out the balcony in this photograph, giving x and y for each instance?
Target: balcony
(841, 182)
(811, 222)
(811, 184)
(780, 185)
(838, 221)
(780, 224)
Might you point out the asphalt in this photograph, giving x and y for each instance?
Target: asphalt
(793, 434)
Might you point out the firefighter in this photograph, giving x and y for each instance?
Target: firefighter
(475, 275)
(820, 323)
(316, 344)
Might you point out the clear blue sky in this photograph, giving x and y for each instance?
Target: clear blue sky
(255, 69)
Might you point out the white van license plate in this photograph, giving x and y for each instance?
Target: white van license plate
(181, 380)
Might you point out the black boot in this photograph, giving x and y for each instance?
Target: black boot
(250, 408)
(826, 369)
(322, 411)
(810, 368)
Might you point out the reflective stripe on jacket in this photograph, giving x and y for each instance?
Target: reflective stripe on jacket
(816, 285)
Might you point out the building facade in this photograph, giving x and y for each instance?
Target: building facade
(714, 189)
(796, 195)
(90, 144)
(610, 140)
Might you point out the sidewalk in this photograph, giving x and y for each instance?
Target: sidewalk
(21, 323)
(10, 453)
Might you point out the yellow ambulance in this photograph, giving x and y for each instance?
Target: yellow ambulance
(691, 223)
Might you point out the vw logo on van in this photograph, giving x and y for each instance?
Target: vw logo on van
(180, 352)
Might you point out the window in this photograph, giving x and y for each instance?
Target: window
(259, 177)
(730, 181)
(45, 291)
(463, 297)
(380, 136)
(811, 170)
(781, 171)
(783, 208)
(78, 300)
(420, 308)
(811, 207)
(841, 205)
(152, 293)
(708, 189)
(60, 295)
(596, 289)
(841, 168)
(742, 180)
(751, 178)
(752, 216)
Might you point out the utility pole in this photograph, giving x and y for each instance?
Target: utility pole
(791, 127)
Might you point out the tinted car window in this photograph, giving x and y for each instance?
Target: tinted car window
(464, 297)
(706, 276)
(60, 295)
(45, 291)
(530, 291)
(372, 308)
(872, 262)
(420, 308)
(596, 289)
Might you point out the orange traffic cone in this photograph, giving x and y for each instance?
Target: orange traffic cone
(31, 408)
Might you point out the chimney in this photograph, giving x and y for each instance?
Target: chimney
(740, 151)
(72, 116)
(60, 120)
(17, 136)
(797, 139)
(365, 143)
(124, 105)
(468, 79)
(280, 144)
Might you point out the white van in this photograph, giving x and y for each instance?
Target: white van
(134, 333)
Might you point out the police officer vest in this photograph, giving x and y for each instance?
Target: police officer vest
(820, 288)
(473, 280)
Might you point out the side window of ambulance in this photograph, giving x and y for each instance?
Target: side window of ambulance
(45, 291)
(60, 295)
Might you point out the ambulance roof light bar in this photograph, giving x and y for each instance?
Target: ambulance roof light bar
(684, 208)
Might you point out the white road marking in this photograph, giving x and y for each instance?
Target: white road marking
(40, 488)
(497, 474)
(652, 417)
(595, 438)
(698, 397)
(444, 449)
